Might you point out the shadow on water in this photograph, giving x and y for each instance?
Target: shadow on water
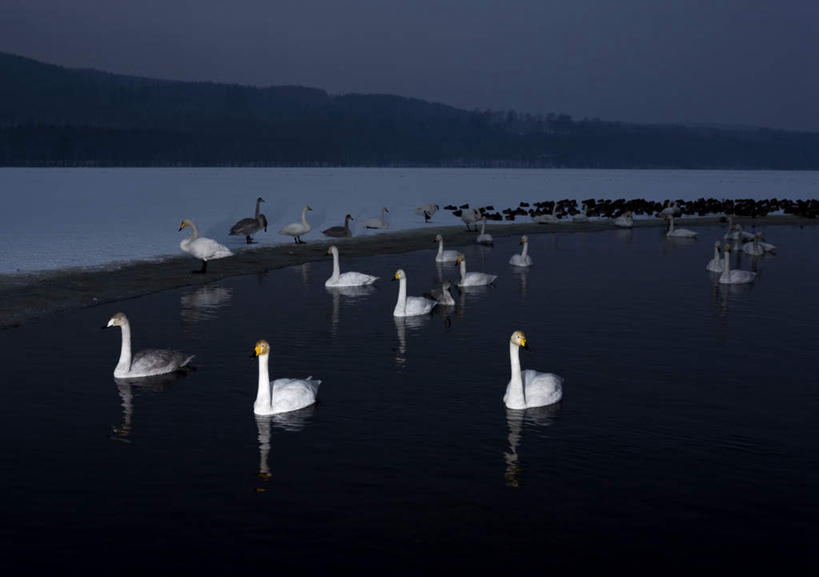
(515, 419)
(291, 422)
(204, 303)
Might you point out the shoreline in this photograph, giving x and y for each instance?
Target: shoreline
(26, 297)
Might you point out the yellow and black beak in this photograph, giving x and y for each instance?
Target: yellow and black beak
(523, 345)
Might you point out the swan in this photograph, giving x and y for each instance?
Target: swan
(340, 231)
(202, 247)
(625, 220)
(473, 278)
(522, 259)
(529, 388)
(670, 211)
(441, 294)
(377, 222)
(735, 232)
(281, 395)
(729, 276)
(350, 278)
(249, 226)
(444, 255)
(297, 229)
(426, 210)
(678, 232)
(409, 306)
(145, 363)
(484, 238)
(715, 264)
(547, 218)
(754, 248)
(470, 216)
(766, 246)
(582, 217)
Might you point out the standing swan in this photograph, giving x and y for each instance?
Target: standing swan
(729, 276)
(296, 229)
(202, 247)
(444, 255)
(473, 278)
(351, 278)
(529, 388)
(249, 226)
(147, 363)
(715, 264)
(409, 306)
(377, 222)
(522, 259)
(281, 395)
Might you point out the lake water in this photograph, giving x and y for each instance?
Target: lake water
(76, 217)
(687, 437)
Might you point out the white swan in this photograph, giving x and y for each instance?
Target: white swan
(409, 306)
(715, 264)
(444, 255)
(729, 276)
(547, 218)
(340, 231)
(426, 210)
(297, 229)
(484, 238)
(147, 363)
(441, 294)
(529, 388)
(766, 246)
(625, 220)
(473, 278)
(735, 232)
(249, 226)
(754, 248)
(377, 222)
(671, 210)
(522, 259)
(202, 247)
(281, 395)
(583, 216)
(350, 278)
(470, 216)
(678, 232)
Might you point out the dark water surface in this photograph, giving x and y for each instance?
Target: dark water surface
(687, 437)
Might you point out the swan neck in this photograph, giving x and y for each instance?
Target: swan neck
(516, 382)
(525, 250)
(401, 305)
(258, 202)
(463, 270)
(195, 234)
(263, 393)
(304, 217)
(124, 364)
(726, 265)
(336, 267)
(440, 247)
(483, 226)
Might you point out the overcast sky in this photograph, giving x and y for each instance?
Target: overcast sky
(740, 62)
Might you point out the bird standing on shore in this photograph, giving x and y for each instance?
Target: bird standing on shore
(339, 231)
(202, 247)
(249, 226)
(297, 229)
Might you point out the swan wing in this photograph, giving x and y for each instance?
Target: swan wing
(207, 249)
(352, 278)
(245, 226)
(541, 388)
(293, 394)
(157, 361)
(419, 306)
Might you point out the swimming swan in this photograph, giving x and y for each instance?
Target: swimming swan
(340, 231)
(678, 232)
(729, 276)
(409, 306)
(444, 255)
(583, 216)
(377, 222)
(281, 395)
(484, 238)
(350, 278)
(522, 259)
(473, 278)
(754, 248)
(296, 229)
(147, 363)
(715, 264)
(249, 226)
(441, 294)
(202, 247)
(529, 388)
(625, 220)
(547, 218)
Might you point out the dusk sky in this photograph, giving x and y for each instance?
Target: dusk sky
(734, 62)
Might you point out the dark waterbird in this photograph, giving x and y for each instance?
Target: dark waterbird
(250, 226)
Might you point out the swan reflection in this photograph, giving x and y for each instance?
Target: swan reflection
(291, 422)
(204, 303)
(401, 326)
(624, 235)
(125, 387)
(351, 294)
(523, 277)
(515, 419)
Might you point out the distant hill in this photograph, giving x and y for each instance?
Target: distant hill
(50, 115)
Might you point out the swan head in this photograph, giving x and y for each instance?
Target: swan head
(118, 320)
(260, 199)
(399, 274)
(519, 338)
(717, 244)
(524, 239)
(185, 223)
(386, 209)
(461, 258)
(262, 348)
(438, 238)
(348, 218)
(727, 247)
(332, 250)
(307, 207)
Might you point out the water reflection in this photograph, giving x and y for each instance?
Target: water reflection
(401, 326)
(292, 422)
(125, 387)
(624, 235)
(351, 294)
(305, 273)
(515, 419)
(523, 279)
(204, 303)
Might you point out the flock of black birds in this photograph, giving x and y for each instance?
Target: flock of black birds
(567, 208)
